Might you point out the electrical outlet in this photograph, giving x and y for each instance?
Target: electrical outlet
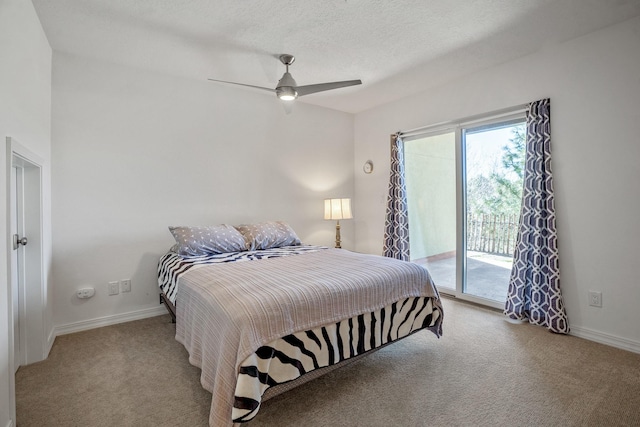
(125, 285)
(85, 293)
(114, 288)
(595, 299)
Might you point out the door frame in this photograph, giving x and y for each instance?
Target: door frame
(33, 303)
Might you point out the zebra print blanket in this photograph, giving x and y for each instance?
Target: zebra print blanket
(240, 321)
(290, 357)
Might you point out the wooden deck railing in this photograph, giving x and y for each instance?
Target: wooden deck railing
(492, 233)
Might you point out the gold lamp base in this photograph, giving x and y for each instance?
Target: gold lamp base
(338, 235)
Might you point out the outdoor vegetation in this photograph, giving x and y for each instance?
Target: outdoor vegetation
(494, 198)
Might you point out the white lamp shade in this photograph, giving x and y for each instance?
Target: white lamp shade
(337, 209)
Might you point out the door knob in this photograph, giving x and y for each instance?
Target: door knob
(17, 241)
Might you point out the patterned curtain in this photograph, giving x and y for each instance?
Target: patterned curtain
(534, 288)
(396, 228)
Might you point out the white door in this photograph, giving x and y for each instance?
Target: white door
(18, 262)
(27, 279)
(17, 257)
(28, 294)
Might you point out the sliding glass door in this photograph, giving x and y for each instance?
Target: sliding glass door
(464, 187)
(430, 168)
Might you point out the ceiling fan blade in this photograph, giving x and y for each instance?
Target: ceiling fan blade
(321, 87)
(242, 84)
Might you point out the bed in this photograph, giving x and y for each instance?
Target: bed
(259, 313)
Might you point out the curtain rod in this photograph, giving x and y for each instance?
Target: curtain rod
(466, 121)
(424, 129)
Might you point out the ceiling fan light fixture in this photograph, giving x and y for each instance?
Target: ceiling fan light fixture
(288, 90)
(286, 93)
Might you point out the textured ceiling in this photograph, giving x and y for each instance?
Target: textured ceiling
(395, 47)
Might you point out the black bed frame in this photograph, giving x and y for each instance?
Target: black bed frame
(170, 307)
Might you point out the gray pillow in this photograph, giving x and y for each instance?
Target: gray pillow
(214, 239)
(267, 235)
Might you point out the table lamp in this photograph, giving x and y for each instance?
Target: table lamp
(337, 209)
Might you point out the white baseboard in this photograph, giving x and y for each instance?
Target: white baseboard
(99, 322)
(607, 339)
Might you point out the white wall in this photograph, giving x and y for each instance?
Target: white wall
(25, 114)
(135, 152)
(594, 86)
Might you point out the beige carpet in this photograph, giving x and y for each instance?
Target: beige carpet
(484, 371)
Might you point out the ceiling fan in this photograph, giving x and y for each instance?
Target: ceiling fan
(287, 89)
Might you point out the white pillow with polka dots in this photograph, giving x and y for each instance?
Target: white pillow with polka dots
(206, 240)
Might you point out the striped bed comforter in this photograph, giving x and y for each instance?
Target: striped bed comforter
(253, 325)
